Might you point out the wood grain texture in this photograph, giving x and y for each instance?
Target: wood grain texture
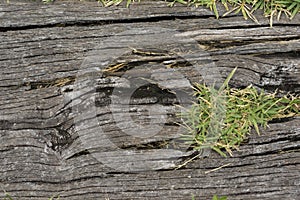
(65, 125)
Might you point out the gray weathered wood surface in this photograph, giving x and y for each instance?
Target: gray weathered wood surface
(60, 134)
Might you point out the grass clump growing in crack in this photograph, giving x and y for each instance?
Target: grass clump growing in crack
(270, 8)
(222, 119)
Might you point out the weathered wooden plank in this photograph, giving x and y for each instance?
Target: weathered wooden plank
(70, 12)
(60, 135)
(32, 60)
(268, 164)
(74, 13)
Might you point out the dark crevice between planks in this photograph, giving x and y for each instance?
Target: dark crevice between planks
(246, 26)
(137, 20)
(163, 96)
(240, 26)
(150, 145)
(239, 194)
(217, 44)
(104, 22)
(288, 54)
(139, 97)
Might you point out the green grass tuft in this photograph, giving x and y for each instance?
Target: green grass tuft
(222, 119)
(271, 8)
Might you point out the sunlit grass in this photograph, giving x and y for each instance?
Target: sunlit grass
(221, 119)
(271, 8)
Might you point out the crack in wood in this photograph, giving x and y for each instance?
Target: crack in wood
(212, 45)
(68, 23)
(79, 154)
(59, 82)
(163, 144)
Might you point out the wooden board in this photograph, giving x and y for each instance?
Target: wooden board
(89, 97)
